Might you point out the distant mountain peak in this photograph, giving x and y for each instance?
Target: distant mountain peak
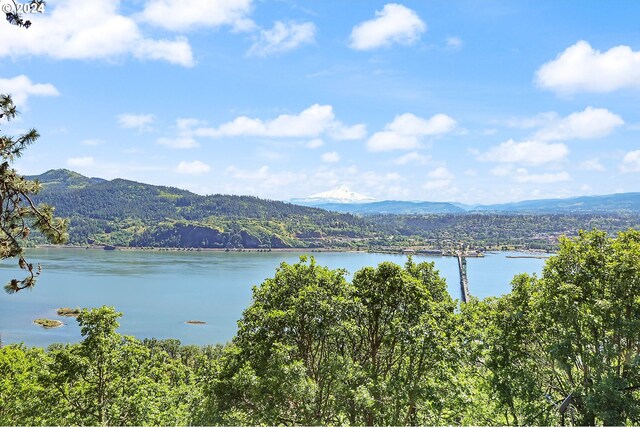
(340, 194)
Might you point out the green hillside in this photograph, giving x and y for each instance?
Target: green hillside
(128, 213)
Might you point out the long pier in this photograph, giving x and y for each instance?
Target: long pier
(464, 282)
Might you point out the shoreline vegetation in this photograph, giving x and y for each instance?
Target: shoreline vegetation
(397, 250)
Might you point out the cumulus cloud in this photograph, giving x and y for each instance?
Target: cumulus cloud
(283, 37)
(413, 157)
(184, 15)
(439, 178)
(192, 168)
(406, 131)
(331, 157)
(310, 123)
(348, 133)
(78, 29)
(395, 23)
(527, 152)
(581, 68)
(140, 122)
(314, 143)
(591, 123)
(80, 161)
(631, 162)
(21, 88)
(184, 135)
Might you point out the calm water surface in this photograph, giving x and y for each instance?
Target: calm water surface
(159, 291)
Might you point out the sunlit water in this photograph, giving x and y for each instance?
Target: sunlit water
(159, 291)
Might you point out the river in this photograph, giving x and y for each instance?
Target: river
(159, 290)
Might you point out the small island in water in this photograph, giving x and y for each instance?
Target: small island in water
(68, 312)
(48, 323)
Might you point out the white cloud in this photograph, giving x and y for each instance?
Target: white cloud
(439, 179)
(331, 157)
(21, 87)
(80, 161)
(501, 170)
(631, 162)
(314, 143)
(395, 23)
(193, 168)
(406, 131)
(413, 157)
(184, 15)
(184, 134)
(282, 38)
(388, 141)
(592, 165)
(311, 123)
(581, 68)
(588, 124)
(409, 124)
(454, 43)
(522, 176)
(140, 122)
(78, 29)
(528, 152)
(178, 142)
(344, 133)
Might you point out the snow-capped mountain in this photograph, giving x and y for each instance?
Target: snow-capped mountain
(341, 194)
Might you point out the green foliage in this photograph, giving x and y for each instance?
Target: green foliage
(574, 331)
(314, 349)
(390, 347)
(18, 212)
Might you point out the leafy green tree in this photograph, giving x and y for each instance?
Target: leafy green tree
(284, 366)
(572, 335)
(18, 213)
(402, 338)
(22, 396)
(110, 379)
(315, 349)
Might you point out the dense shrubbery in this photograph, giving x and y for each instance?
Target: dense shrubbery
(390, 347)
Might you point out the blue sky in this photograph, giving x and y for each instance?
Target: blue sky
(468, 101)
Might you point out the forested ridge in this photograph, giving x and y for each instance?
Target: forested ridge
(128, 213)
(388, 347)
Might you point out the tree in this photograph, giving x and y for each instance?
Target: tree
(18, 213)
(314, 349)
(111, 379)
(572, 335)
